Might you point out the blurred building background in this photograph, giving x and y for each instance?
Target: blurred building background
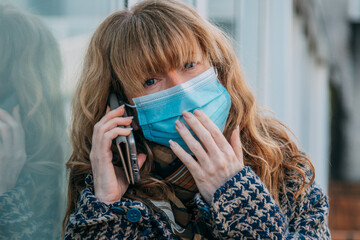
(300, 57)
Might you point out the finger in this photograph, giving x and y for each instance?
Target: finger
(98, 127)
(18, 130)
(186, 158)
(16, 114)
(119, 121)
(201, 132)
(113, 133)
(236, 144)
(107, 109)
(5, 116)
(118, 112)
(190, 141)
(5, 134)
(215, 132)
(12, 122)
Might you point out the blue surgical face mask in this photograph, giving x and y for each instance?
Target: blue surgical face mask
(158, 112)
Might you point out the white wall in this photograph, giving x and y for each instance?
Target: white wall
(285, 74)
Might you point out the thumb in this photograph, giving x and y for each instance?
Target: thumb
(141, 159)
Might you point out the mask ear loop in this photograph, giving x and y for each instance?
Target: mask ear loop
(129, 105)
(216, 71)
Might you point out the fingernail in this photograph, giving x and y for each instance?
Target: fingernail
(179, 124)
(122, 106)
(172, 143)
(16, 108)
(186, 114)
(129, 117)
(197, 113)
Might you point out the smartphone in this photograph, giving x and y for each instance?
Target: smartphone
(126, 148)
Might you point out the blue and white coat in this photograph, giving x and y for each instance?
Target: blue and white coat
(242, 208)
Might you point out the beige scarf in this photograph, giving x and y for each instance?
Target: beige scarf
(181, 211)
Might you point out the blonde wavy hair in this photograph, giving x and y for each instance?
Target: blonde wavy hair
(155, 36)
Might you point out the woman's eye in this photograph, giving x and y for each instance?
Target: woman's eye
(189, 65)
(150, 82)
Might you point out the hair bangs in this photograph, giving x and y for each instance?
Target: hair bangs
(148, 46)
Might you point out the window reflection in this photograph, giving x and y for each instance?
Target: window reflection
(31, 128)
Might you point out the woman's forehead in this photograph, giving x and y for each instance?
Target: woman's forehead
(195, 55)
(161, 60)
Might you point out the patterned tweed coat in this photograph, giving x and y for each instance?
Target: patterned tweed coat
(241, 209)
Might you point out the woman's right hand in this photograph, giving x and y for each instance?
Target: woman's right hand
(110, 182)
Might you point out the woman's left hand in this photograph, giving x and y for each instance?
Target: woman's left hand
(218, 162)
(12, 148)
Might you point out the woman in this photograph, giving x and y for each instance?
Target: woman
(31, 128)
(230, 172)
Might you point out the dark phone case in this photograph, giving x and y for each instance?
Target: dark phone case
(126, 148)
